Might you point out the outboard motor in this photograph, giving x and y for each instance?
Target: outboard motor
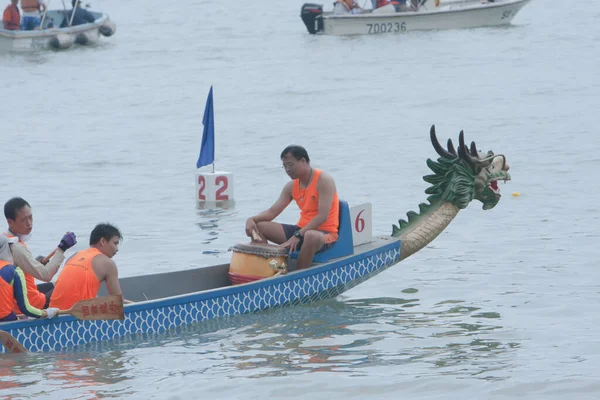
(312, 15)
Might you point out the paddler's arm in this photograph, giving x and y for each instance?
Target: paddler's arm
(285, 198)
(112, 278)
(25, 260)
(326, 190)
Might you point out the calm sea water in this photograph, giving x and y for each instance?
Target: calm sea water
(502, 305)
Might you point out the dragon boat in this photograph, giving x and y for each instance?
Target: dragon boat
(57, 33)
(421, 15)
(195, 295)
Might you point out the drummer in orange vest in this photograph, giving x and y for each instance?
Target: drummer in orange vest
(315, 194)
(83, 273)
(13, 288)
(20, 224)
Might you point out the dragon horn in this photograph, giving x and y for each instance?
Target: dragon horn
(474, 151)
(463, 151)
(451, 148)
(438, 148)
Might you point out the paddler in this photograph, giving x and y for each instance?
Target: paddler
(20, 224)
(13, 288)
(84, 273)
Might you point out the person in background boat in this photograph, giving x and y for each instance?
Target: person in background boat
(380, 3)
(85, 271)
(11, 19)
(400, 6)
(20, 224)
(315, 194)
(82, 16)
(32, 14)
(347, 7)
(13, 288)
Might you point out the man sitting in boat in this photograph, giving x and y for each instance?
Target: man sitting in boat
(85, 271)
(32, 14)
(347, 7)
(11, 19)
(383, 6)
(20, 224)
(82, 16)
(315, 194)
(13, 288)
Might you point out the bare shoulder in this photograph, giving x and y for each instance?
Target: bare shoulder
(325, 181)
(288, 188)
(103, 262)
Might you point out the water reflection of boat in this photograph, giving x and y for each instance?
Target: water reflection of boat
(385, 20)
(55, 36)
(172, 299)
(349, 336)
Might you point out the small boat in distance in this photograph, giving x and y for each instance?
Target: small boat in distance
(53, 36)
(423, 16)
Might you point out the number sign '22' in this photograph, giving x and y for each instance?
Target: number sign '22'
(220, 181)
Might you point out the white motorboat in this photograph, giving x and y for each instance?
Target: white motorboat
(56, 33)
(420, 16)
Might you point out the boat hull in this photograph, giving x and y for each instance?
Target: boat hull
(154, 316)
(58, 38)
(468, 15)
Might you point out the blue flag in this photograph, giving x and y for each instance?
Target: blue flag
(207, 149)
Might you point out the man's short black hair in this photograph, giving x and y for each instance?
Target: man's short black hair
(298, 152)
(106, 231)
(13, 205)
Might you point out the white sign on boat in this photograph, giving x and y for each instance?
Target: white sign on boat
(362, 224)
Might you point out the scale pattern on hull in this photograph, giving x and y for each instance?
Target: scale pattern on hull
(307, 286)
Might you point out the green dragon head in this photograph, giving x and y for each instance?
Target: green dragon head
(459, 177)
(466, 175)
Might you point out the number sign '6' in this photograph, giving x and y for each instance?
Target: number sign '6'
(362, 224)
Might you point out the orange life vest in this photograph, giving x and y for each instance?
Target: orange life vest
(11, 18)
(77, 281)
(36, 298)
(6, 294)
(30, 5)
(308, 202)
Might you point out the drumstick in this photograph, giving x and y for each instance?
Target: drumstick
(256, 236)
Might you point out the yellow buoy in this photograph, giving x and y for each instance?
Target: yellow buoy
(516, 194)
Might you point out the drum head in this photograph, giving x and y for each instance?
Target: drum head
(260, 249)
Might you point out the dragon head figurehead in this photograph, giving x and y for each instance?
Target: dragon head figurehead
(459, 176)
(466, 174)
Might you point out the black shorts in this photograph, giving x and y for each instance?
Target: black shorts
(289, 230)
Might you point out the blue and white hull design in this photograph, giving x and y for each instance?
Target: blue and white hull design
(322, 281)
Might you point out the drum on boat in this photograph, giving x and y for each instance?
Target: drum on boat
(254, 261)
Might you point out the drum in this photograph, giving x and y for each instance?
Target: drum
(254, 261)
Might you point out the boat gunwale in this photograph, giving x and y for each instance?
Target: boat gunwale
(207, 294)
(51, 32)
(476, 7)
